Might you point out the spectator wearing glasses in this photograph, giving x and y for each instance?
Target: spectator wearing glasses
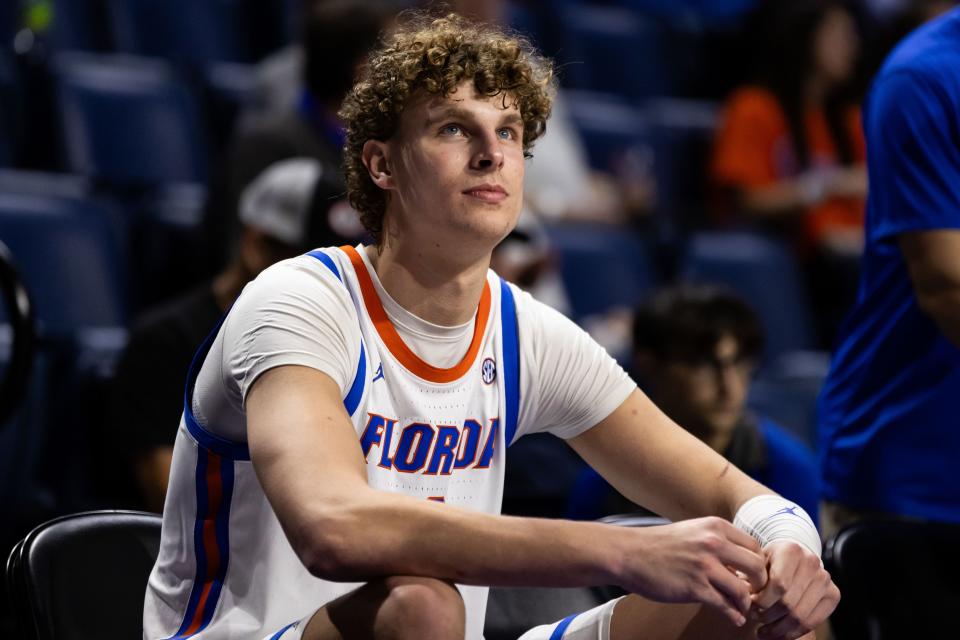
(695, 348)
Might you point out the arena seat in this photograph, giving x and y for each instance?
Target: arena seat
(611, 128)
(76, 25)
(765, 273)
(602, 267)
(9, 21)
(8, 108)
(898, 579)
(787, 390)
(69, 258)
(83, 576)
(128, 121)
(21, 368)
(42, 183)
(681, 134)
(614, 50)
(526, 20)
(195, 32)
(19, 340)
(6, 152)
(228, 89)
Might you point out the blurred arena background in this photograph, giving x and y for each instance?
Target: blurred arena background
(119, 120)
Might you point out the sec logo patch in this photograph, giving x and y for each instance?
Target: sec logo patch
(488, 370)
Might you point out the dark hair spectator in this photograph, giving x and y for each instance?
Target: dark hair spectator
(695, 348)
(685, 323)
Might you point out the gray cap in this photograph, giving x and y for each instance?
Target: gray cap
(278, 201)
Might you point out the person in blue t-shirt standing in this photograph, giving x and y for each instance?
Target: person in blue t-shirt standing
(888, 412)
(695, 348)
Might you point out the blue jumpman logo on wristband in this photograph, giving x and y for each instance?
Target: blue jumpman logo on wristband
(789, 510)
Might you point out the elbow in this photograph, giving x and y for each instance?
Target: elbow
(328, 549)
(328, 560)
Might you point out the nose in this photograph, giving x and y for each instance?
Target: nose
(729, 379)
(488, 155)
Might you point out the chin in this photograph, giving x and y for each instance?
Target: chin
(724, 422)
(489, 222)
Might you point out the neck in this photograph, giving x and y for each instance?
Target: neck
(435, 285)
(228, 284)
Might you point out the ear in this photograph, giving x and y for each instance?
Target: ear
(375, 157)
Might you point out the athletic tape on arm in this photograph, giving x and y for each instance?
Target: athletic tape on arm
(770, 517)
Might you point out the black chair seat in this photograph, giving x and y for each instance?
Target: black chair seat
(84, 576)
(898, 579)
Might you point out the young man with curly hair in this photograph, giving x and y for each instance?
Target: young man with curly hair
(339, 467)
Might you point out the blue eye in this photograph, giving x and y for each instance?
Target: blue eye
(451, 129)
(505, 134)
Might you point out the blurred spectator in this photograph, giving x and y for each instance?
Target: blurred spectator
(694, 351)
(560, 184)
(789, 153)
(335, 38)
(281, 216)
(889, 441)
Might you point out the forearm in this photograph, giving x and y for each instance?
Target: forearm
(378, 533)
(806, 190)
(696, 482)
(785, 197)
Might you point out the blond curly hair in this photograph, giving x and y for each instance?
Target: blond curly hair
(437, 54)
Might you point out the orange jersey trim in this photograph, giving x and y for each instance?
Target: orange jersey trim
(388, 334)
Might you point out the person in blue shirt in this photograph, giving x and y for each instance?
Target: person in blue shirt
(888, 412)
(695, 348)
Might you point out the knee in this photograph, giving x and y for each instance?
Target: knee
(422, 608)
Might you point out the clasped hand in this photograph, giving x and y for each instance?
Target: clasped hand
(784, 588)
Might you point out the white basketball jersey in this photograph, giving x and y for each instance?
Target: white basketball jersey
(225, 568)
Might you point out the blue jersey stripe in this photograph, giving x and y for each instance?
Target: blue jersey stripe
(326, 260)
(222, 528)
(354, 395)
(210, 441)
(201, 555)
(511, 360)
(352, 401)
(561, 627)
(277, 635)
(221, 518)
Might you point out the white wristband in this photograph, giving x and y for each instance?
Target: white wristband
(769, 518)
